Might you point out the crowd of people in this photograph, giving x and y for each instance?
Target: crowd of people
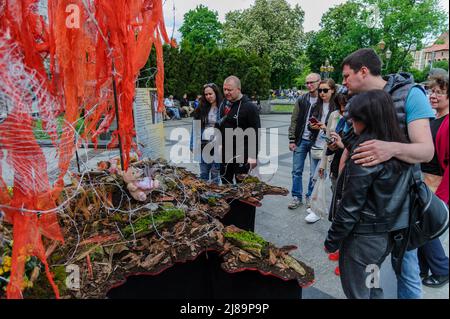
(367, 136)
(229, 111)
(175, 110)
(371, 137)
(220, 161)
(213, 110)
(289, 94)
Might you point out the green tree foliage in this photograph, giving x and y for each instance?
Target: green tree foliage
(300, 79)
(421, 76)
(356, 24)
(190, 67)
(269, 28)
(201, 26)
(441, 65)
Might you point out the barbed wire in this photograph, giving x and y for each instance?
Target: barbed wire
(21, 88)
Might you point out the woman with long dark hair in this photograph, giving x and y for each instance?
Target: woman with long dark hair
(340, 101)
(320, 113)
(206, 114)
(375, 201)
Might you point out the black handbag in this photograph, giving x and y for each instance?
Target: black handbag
(428, 219)
(429, 215)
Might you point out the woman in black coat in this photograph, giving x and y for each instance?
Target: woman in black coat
(375, 200)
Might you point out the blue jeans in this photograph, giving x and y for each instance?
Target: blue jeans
(298, 164)
(432, 258)
(207, 169)
(409, 284)
(174, 111)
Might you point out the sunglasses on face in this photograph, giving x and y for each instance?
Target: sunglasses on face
(309, 83)
(323, 91)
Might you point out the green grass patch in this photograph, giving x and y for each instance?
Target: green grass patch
(250, 180)
(282, 108)
(247, 238)
(40, 134)
(165, 216)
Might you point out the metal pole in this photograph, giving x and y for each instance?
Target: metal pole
(78, 160)
(116, 104)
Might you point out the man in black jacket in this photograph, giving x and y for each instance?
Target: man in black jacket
(300, 142)
(239, 125)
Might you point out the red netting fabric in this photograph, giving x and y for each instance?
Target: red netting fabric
(59, 58)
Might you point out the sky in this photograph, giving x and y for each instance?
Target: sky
(314, 9)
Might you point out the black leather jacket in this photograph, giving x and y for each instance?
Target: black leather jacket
(375, 200)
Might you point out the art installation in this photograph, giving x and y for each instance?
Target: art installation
(68, 70)
(109, 235)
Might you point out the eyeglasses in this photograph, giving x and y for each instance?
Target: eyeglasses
(309, 83)
(437, 93)
(323, 91)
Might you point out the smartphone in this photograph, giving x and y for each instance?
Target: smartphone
(313, 120)
(329, 140)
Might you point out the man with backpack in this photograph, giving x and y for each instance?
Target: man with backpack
(361, 72)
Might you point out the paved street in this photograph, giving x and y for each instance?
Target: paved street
(276, 223)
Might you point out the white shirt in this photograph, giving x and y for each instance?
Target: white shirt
(209, 132)
(326, 110)
(212, 116)
(169, 103)
(320, 142)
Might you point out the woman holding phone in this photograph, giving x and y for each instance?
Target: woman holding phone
(340, 101)
(320, 114)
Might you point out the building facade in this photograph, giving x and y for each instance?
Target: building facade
(438, 51)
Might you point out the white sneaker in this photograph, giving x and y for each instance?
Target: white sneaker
(312, 217)
(296, 202)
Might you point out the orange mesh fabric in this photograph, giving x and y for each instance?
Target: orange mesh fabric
(130, 28)
(65, 71)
